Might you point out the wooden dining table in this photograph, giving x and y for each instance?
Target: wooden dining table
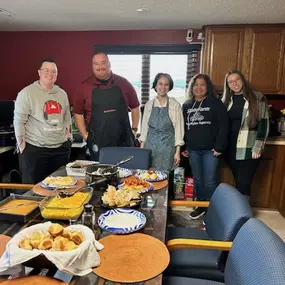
(154, 206)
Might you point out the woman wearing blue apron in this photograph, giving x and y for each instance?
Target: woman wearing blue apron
(163, 126)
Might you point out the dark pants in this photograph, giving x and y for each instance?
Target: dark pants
(243, 172)
(39, 162)
(204, 168)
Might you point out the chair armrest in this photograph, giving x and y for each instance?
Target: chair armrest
(198, 244)
(16, 186)
(173, 203)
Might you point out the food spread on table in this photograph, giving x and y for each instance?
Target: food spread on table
(64, 208)
(124, 172)
(78, 164)
(148, 175)
(135, 184)
(121, 220)
(56, 239)
(18, 206)
(58, 181)
(120, 198)
(100, 171)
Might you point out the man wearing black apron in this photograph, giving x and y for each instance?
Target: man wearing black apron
(103, 101)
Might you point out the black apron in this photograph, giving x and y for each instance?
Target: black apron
(109, 123)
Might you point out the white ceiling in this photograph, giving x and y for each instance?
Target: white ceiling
(79, 15)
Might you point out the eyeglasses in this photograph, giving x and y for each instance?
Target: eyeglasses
(46, 70)
(231, 82)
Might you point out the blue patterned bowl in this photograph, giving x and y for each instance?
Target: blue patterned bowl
(122, 221)
(124, 172)
(160, 176)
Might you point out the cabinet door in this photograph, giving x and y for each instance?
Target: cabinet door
(263, 58)
(222, 52)
(225, 174)
(262, 184)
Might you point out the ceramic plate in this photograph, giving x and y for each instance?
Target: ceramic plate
(54, 186)
(144, 175)
(124, 172)
(122, 221)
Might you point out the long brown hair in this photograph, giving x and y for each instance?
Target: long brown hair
(248, 94)
(210, 89)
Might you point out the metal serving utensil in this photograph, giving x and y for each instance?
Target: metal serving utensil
(64, 194)
(117, 164)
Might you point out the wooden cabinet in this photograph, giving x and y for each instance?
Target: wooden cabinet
(223, 51)
(266, 190)
(282, 200)
(257, 51)
(263, 58)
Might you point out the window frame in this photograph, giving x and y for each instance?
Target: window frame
(145, 51)
(148, 49)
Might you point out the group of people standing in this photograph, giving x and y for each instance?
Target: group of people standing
(206, 127)
(203, 129)
(42, 117)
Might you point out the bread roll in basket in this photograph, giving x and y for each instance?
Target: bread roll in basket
(72, 250)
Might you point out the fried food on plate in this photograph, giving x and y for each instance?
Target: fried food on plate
(135, 184)
(120, 198)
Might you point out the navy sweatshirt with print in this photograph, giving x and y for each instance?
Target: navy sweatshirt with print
(206, 124)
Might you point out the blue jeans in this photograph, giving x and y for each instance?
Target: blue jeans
(204, 168)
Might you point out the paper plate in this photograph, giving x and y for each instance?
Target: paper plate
(122, 221)
(160, 175)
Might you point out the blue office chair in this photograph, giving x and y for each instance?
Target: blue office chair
(227, 211)
(111, 155)
(257, 257)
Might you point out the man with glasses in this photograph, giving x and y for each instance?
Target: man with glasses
(42, 125)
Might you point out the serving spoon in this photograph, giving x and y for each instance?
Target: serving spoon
(117, 164)
(64, 194)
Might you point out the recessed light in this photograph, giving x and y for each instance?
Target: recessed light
(143, 10)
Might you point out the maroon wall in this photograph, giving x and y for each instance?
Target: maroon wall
(21, 53)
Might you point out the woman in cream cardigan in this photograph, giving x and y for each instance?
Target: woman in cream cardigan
(163, 125)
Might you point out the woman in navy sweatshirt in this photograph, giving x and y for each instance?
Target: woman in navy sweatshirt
(206, 131)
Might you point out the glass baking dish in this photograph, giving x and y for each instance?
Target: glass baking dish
(55, 208)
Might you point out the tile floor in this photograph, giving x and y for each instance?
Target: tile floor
(273, 219)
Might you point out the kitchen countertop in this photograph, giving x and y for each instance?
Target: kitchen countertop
(278, 140)
(5, 148)
(10, 147)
